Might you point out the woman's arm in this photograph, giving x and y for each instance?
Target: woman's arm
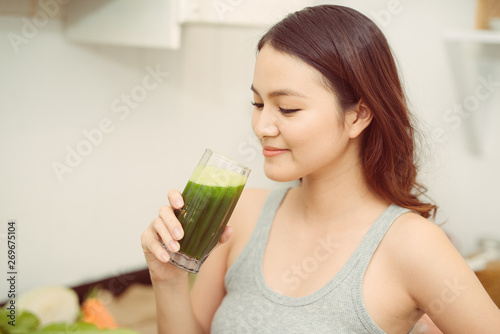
(208, 289)
(173, 307)
(441, 282)
(178, 307)
(170, 284)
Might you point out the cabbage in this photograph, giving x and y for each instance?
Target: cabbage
(50, 304)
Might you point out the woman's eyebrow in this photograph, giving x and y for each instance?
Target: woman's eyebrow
(281, 92)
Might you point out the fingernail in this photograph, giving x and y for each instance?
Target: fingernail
(164, 257)
(178, 203)
(177, 233)
(173, 246)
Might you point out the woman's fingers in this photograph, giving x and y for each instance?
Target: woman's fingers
(228, 231)
(164, 230)
(160, 252)
(171, 225)
(157, 234)
(165, 234)
(167, 230)
(152, 246)
(175, 198)
(168, 216)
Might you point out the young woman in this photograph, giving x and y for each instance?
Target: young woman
(349, 250)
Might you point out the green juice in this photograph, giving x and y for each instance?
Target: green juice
(209, 200)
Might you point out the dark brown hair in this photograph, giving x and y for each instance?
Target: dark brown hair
(353, 55)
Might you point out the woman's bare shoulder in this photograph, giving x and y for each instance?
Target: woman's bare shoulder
(438, 278)
(252, 197)
(424, 254)
(248, 208)
(413, 237)
(244, 219)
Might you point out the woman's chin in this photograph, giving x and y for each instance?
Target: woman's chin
(277, 175)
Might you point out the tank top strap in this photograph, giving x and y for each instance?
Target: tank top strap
(376, 233)
(365, 252)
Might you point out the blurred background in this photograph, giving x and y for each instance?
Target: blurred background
(106, 105)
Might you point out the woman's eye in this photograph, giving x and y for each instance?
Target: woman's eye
(288, 111)
(258, 105)
(284, 111)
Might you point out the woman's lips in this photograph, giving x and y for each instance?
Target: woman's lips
(270, 151)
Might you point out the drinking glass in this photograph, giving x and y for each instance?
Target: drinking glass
(209, 200)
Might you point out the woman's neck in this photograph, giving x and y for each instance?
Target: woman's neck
(336, 197)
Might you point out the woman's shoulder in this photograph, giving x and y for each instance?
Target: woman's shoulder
(412, 236)
(419, 247)
(250, 205)
(244, 219)
(438, 278)
(251, 199)
(412, 229)
(248, 208)
(254, 196)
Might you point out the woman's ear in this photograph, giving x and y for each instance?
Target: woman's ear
(358, 119)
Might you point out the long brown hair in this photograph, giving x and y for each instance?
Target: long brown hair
(355, 59)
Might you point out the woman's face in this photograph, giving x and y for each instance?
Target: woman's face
(297, 119)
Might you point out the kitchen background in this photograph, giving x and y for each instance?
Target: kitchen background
(93, 134)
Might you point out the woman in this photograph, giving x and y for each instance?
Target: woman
(349, 250)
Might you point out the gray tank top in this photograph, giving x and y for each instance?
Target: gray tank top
(250, 306)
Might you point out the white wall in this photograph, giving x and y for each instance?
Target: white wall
(88, 226)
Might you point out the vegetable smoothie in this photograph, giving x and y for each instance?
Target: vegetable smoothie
(215, 193)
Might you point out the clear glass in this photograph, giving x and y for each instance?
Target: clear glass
(209, 200)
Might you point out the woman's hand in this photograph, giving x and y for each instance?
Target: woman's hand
(167, 229)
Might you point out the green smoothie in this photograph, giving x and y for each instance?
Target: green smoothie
(214, 193)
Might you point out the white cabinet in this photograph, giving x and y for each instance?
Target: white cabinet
(256, 13)
(157, 23)
(150, 23)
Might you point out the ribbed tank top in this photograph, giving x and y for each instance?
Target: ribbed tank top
(250, 306)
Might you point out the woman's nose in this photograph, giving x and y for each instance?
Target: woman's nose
(265, 124)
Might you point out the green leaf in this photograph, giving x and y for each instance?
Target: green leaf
(84, 326)
(27, 320)
(24, 322)
(4, 318)
(79, 326)
(89, 331)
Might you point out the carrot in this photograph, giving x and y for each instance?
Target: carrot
(95, 312)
